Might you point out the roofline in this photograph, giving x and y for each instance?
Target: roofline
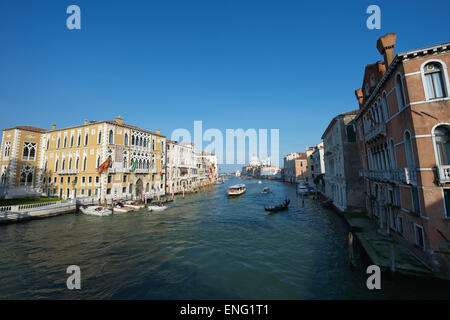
(333, 121)
(400, 57)
(26, 129)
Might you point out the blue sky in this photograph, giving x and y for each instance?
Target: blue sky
(291, 65)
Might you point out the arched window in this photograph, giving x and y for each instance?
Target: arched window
(400, 92)
(65, 142)
(71, 141)
(126, 139)
(84, 164)
(79, 140)
(434, 80)
(111, 137)
(56, 165)
(393, 155)
(63, 164)
(77, 163)
(59, 143)
(442, 140)
(385, 106)
(409, 150)
(98, 161)
(99, 136)
(70, 163)
(132, 140)
(86, 139)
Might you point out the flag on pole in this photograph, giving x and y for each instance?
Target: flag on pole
(104, 166)
(133, 166)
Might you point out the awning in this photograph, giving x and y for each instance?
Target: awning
(183, 170)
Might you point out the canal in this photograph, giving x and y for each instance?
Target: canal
(205, 246)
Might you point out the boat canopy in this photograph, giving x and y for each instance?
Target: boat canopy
(237, 186)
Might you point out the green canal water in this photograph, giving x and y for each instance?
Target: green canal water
(204, 247)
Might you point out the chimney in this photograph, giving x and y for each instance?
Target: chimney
(54, 127)
(385, 46)
(85, 122)
(360, 97)
(118, 119)
(157, 131)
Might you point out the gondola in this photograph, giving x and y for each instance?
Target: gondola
(282, 206)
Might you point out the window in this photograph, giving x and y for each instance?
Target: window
(385, 106)
(108, 191)
(77, 162)
(29, 151)
(400, 92)
(71, 141)
(63, 164)
(447, 202)
(7, 149)
(99, 136)
(79, 140)
(125, 139)
(124, 178)
(59, 143)
(415, 198)
(86, 139)
(97, 179)
(420, 237)
(442, 140)
(83, 179)
(84, 163)
(56, 165)
(98, 161)
(400, 224)
(70, 163)
(65, 142)
(26, 175)
(109, 179)
(90, 179)
(132, 140)
(111, 137)
(48, 143)
(393, 155)
(434, 81)
(409, 151)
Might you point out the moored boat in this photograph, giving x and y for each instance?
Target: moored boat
(157, 208)
(121, 208)
(236, 190)
(265, 190)
(135, 205)
(95, 210)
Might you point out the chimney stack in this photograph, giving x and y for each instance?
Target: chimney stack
(118, 119)
(360, 97)
(157, 131)
(54, 127)
(85, 122)
(385, 46)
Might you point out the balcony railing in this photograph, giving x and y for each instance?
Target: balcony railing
(71, 171)
(378, 130)
(403, 175)
(138, 171)
(444, 174)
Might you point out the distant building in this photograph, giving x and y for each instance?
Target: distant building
(341, 158)
(295, 167)
(318, 168)
(309, 165)
(238, 173)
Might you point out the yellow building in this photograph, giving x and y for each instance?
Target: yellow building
(64, 162)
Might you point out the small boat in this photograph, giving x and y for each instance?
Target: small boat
(265, 190)
(121, 208)
(282, 206)
(157, 208)
(302, 190)
(236, 190)
(95, 211)
(134, 204)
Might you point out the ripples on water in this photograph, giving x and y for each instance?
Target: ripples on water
(204, 247)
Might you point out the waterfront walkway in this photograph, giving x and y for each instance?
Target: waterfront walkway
(11, 214)
(379, 247)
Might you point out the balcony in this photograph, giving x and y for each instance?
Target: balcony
(142, 171)
(443, 174)
(65, 172)
(379, 130)
(403, 175)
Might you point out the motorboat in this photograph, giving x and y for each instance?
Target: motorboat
(282, 206)
(95, 211)
(122, 208)
(236, 190)
(302, 189)
(134, 204)
(157, 208)
(265, 190)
